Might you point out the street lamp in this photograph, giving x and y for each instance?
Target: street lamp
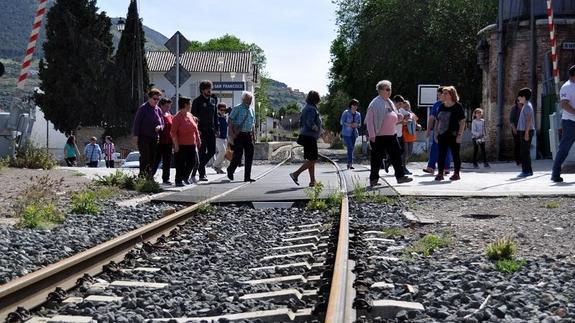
(290, 126)
(220, 68)
(121, 25)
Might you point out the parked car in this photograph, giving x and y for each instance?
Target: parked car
(132, 160)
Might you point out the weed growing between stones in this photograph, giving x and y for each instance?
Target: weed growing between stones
(85, 202)
(552, 205)
(37, 205)
(361, 195)
(502, 251)
(144, 185)
(395, 232)
(313, 193)
(41, 216)
(430, 243)
(118, 179)
(206, 208)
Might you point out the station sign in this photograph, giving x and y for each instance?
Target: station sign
(228, 86)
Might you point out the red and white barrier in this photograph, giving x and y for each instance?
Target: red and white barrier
(40, 12)
(553, 40)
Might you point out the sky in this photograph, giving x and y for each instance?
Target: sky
(295, 34)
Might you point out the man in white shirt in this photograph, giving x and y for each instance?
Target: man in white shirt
(567, 97)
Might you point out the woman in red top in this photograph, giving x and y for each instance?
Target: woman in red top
(186, 138)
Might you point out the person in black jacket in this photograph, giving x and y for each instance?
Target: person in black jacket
(204, 108)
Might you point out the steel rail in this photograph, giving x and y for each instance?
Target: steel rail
(31, 290)
(338, 303)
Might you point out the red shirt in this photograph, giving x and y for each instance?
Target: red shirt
(185, 129)
(165, 137)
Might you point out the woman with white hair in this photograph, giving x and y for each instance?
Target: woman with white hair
(380, 119)
(242, 133)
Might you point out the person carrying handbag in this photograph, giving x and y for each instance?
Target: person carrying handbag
(242, 134)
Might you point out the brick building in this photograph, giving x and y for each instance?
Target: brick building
(516, 72)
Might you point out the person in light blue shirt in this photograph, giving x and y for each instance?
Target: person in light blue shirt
(93, 153)
(350, 121)
(242, 131)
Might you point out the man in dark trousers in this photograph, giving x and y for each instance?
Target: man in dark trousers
(242, 127)
(204, 108)
(147, 125)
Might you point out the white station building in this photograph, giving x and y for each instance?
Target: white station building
(230, 72)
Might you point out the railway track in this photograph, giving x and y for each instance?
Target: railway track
(300, 271)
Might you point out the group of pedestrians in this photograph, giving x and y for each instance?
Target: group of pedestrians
(93, 153)
(199, 132)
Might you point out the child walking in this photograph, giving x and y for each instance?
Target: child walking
(478, 136)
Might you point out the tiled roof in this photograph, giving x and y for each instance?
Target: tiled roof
(239, 62)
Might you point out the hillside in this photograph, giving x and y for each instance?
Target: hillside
(281, 95)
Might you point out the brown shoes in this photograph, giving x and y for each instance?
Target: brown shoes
(455, 177)
(429, 170)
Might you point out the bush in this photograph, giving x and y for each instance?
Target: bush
(336, 143)
(266, 139)
(295, 134)
(206, 208)
(33, 157)
(42, 191)
(394, 232)
(85, 202)
(315, 203)
(144, 185)
(501, 249)
(41, 215)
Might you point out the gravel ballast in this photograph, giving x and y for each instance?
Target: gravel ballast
(26, 250)
(454, 281)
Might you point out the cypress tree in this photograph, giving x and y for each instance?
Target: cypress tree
(130, 57)
(77, 54)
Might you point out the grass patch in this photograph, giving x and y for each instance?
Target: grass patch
(552, 205)
(501, 249)
(144, 185)
(206, 208)
(30, 156)
(313, 193)
(39, 215)
(395, 232)
(85, 202)
(118, 179)
(509, 266)
(430, 243)
(42, 191)
(361, 195)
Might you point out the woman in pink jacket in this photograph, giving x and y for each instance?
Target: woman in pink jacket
(186, 138)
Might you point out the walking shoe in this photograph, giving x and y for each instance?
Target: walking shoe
(439, 177)
(219, 170)
(523, 175)
(293, 178)
(407, 172)
(187, 182)
(251, 180)
(557, 179)
(486, 165)
(404, 179)
(446, 172)
(429, 170)
(373, 183)
(167, 183)
(203, 179)
(475, 165)
(455, 177)
(180, 184)
(230, 174)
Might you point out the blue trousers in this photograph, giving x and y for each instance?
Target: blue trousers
(349, 144)
(434, 155)
(565, 144)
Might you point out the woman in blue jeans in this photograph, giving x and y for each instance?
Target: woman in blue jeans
(350, 121)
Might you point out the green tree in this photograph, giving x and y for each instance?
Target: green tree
(230, 43)
(77, 54)
(124, 98)
(290, 109)
(409, 42)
